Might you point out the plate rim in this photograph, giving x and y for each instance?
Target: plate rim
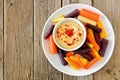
(44, 51)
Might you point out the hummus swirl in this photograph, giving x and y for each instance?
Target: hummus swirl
(69, 35)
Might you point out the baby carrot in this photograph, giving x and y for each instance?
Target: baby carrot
(84, 61)
(91, 40)
(73, 58)
(91, 63)
(103, 33)
(72, 63)
(89, 44)
(78, 59)
(92, 54)
(53, 47)
(103, 48)
(49, 32)
(97, 38)
(89, 14)
(90, 31)
(61, 55)
(69, 53)
(86, 20)
(56, 20)
(96, 54)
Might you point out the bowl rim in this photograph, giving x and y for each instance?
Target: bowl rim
(73, 20)
(55, 65)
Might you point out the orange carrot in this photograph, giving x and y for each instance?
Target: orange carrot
(90, 31)
(91, 40)
(69, 53)
(79, 61)
(72, 63)
(91, 63)
(53, 47)
(92, 54)
(89, 14)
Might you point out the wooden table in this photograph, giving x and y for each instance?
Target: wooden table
(21, 54)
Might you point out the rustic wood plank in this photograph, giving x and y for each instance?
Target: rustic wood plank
(42, 68)
(18, 40)
(66, 2)
(111, 71)
(1, 39)
(88, 2)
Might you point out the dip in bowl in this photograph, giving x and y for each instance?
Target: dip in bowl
(69, 34)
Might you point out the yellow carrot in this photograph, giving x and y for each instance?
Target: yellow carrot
(76, 58)
(84, 61)
(72, 63)
(103, 33)
(56, 20)
(73, 58)
(96, 54)
(86, 20)
(89, 44)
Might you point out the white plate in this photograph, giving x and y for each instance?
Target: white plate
(54, 59)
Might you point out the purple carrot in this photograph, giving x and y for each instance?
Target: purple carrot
(61, 54)
(72, 14)
(83, 50)
(84, 45)
(87, 56)
(94, 28)
(49, 32)
(97, 38)
(104, 44)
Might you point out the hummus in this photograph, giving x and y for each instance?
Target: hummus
(69, 35)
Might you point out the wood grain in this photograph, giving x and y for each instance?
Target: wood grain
(18, 40)
(42, 68)
(21, 53)
(111, 71)
(1, 39)
(66, 2)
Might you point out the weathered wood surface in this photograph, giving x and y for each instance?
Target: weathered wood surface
(111, 70)
(21, 54)
(18, 40)
(43, 70)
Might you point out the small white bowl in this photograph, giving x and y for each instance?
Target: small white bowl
(72, 20)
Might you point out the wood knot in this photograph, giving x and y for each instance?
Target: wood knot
(11, 4)
(109, 71)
